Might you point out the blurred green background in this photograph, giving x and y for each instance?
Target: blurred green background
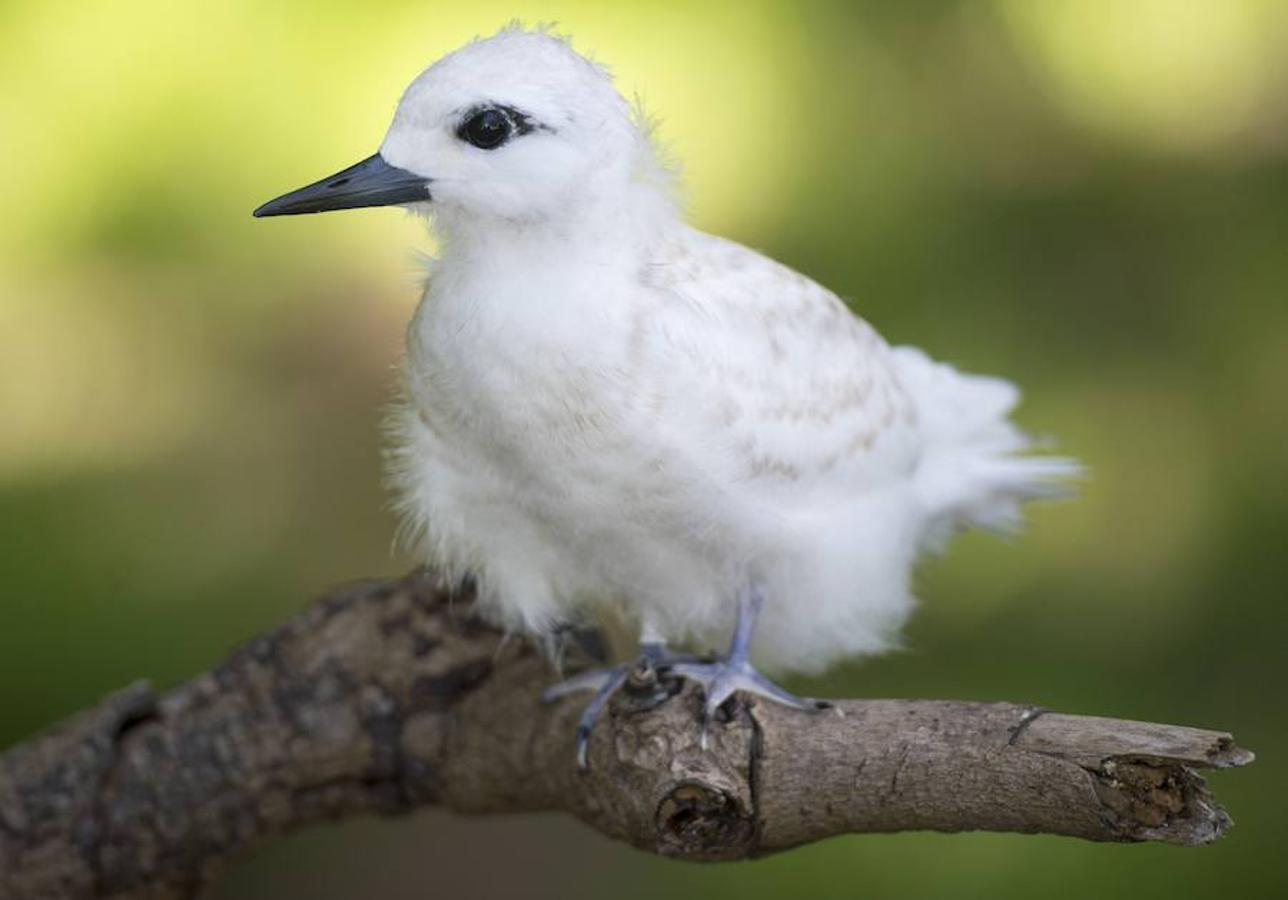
(1089, 196)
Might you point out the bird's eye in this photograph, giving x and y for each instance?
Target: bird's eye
(486, 129)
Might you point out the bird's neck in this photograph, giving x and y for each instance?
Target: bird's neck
(532, 292)
(596, 233)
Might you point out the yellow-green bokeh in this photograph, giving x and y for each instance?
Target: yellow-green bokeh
(1088, 196)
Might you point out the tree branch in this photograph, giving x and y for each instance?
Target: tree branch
(386, 696)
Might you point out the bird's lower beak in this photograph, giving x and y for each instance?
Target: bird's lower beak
(372, 182)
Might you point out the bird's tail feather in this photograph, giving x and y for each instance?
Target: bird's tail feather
(974, 471)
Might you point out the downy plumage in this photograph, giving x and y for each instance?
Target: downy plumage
(607, 407)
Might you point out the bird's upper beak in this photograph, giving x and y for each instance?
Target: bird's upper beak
(372, 182)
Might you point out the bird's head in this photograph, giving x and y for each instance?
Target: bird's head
(517, 127)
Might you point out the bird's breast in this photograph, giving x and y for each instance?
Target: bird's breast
(530, 383)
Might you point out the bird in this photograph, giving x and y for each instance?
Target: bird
(604, 408)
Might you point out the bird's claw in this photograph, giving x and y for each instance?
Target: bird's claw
(647, 677)
(721, 680)
(604, 682)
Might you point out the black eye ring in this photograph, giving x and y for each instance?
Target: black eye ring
(487, 129)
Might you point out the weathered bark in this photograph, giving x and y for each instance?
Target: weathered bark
(385, 696)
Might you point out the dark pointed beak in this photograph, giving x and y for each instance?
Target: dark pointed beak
(372, 182)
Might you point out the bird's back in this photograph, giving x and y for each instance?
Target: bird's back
(796, 393)
(805, 394)
(851, 455)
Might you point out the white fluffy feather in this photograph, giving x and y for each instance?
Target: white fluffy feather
(605, 406)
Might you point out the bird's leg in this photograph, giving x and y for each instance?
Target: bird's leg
(655, 652)
(721, 679)
(588, 641)
(641, 676)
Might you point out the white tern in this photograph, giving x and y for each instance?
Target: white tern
(605, 407)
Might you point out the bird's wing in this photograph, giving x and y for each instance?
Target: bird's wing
(775, 374)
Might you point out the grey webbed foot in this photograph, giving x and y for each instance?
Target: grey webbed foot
(605, 683)
(642, 677)
(721, 680)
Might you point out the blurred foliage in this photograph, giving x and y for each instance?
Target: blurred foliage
(1089, 196)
